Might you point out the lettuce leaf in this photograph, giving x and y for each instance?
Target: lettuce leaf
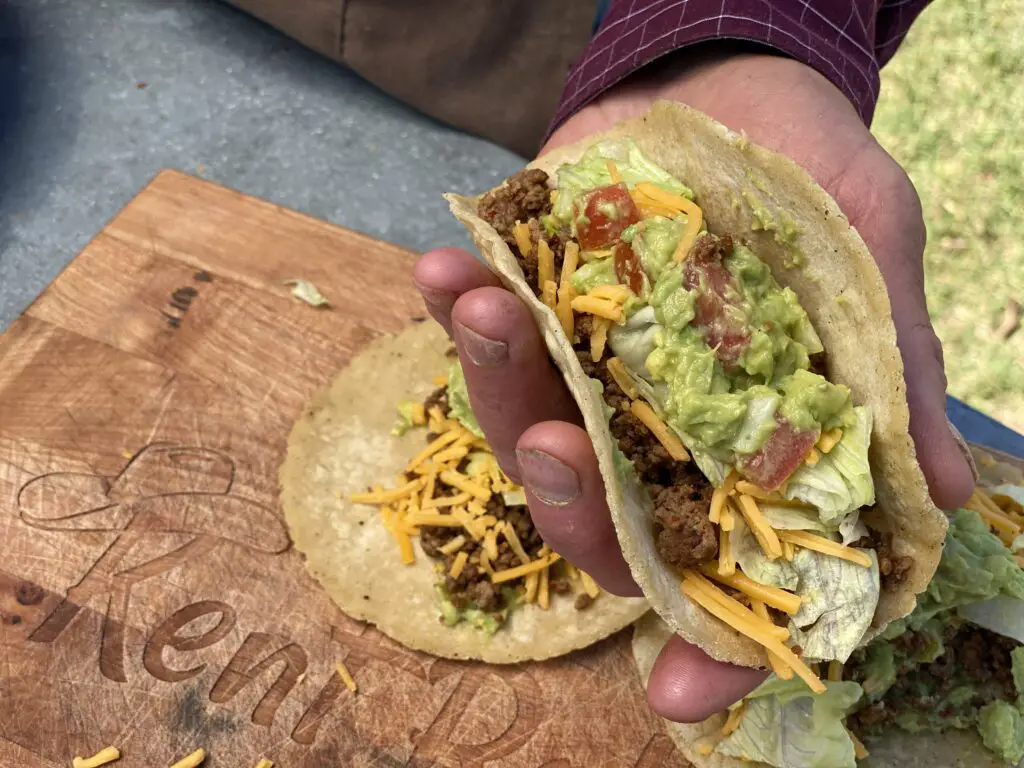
(841, 480)
(634, 341)
(592, 171)
(753, 563)
(458, 400)
(787, 726)
(975, 566)
(839, 602)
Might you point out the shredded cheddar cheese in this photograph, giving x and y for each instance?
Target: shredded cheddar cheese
(532, 585)
(545, 263)
(103, 757)
(731, 605)
(589, 585)
(522, 570)
(763, 532)
(788, 551)
(859, 750)
(419, 415)
(726, 557)
(993, 515)
(773, 596)
(812, 457)
(600, 307)
(458, 565)
(778, 666)
(549, 294)
(385, 497)
(829, 439)
(191, 761)
(623, 379)
(616, 293)
(439, 443)
(826, 546)
(512, 538)
(732, 722)
(463, 483)
(564, 309)
(346, 676)
(264, 763)
(835, 671)
(446, 501)
(543, 593)
(672, 444)
(521, 232)
(614, 173)
(726, 519)
(599, 338)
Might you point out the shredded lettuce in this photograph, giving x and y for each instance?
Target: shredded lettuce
(975, 566)
(592, 171)
(634, 341)
(759, 423)
(754, 563)
(514, 498)
(714, 470)
(1002, 730)
(839, 597)
(787, 726)
(841, 480)
(458, 400)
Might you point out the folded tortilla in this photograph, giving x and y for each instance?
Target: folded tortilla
(343, 443)
(895, 747)
(845, 297)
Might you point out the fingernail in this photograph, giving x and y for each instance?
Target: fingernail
(483, 351)
(548, 479)
(441, 300)
(964, 449)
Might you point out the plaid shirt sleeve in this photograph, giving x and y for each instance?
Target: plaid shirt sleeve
(847, 41)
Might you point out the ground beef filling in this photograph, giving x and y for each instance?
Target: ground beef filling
(893, 569)
(972, 655)
(473, 587)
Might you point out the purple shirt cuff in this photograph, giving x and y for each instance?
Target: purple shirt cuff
(846, 41)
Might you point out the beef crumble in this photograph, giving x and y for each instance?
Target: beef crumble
(893, 569)
(972, 655)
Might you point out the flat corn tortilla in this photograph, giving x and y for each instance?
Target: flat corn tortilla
(845, 297)
(954, 749)
(343, 443)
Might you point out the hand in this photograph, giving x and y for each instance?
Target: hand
(533, 424)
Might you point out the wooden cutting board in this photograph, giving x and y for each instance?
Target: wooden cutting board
(149, 595)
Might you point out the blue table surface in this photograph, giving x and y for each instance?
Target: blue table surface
(984, 430)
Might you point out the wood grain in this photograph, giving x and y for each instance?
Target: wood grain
(149, 597)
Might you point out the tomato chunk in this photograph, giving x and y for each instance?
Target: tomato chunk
(607, 212)
(780, 456)
(718, 298)
(628, 268)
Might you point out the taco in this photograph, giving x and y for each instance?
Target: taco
(942, 687)
(729, 341)
(411, 525)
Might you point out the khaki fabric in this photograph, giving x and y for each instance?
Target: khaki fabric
(495, 69)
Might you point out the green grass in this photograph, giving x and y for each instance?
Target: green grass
(952, 113)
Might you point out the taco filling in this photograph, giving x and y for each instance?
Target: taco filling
(715, 389)
(956, 662)
(470, 519)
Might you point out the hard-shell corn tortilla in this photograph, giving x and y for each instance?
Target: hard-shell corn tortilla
(845, 297)
(896, 747)
(343, 443)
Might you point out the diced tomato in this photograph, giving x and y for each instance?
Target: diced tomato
(628, 268)
(780, 456)
(717, 292)
(608, 211)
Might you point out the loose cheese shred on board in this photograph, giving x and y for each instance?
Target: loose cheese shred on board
(826, 547)
(672, 444)
(618, 372)
(103, 757)
(598, 338)
(828, 439)
(773, 596)
(346, 676)
(763, 532)
(191, 761)
(594, 306)
(778, 666)
(545, 263)
(264, 763)
(521, 232)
